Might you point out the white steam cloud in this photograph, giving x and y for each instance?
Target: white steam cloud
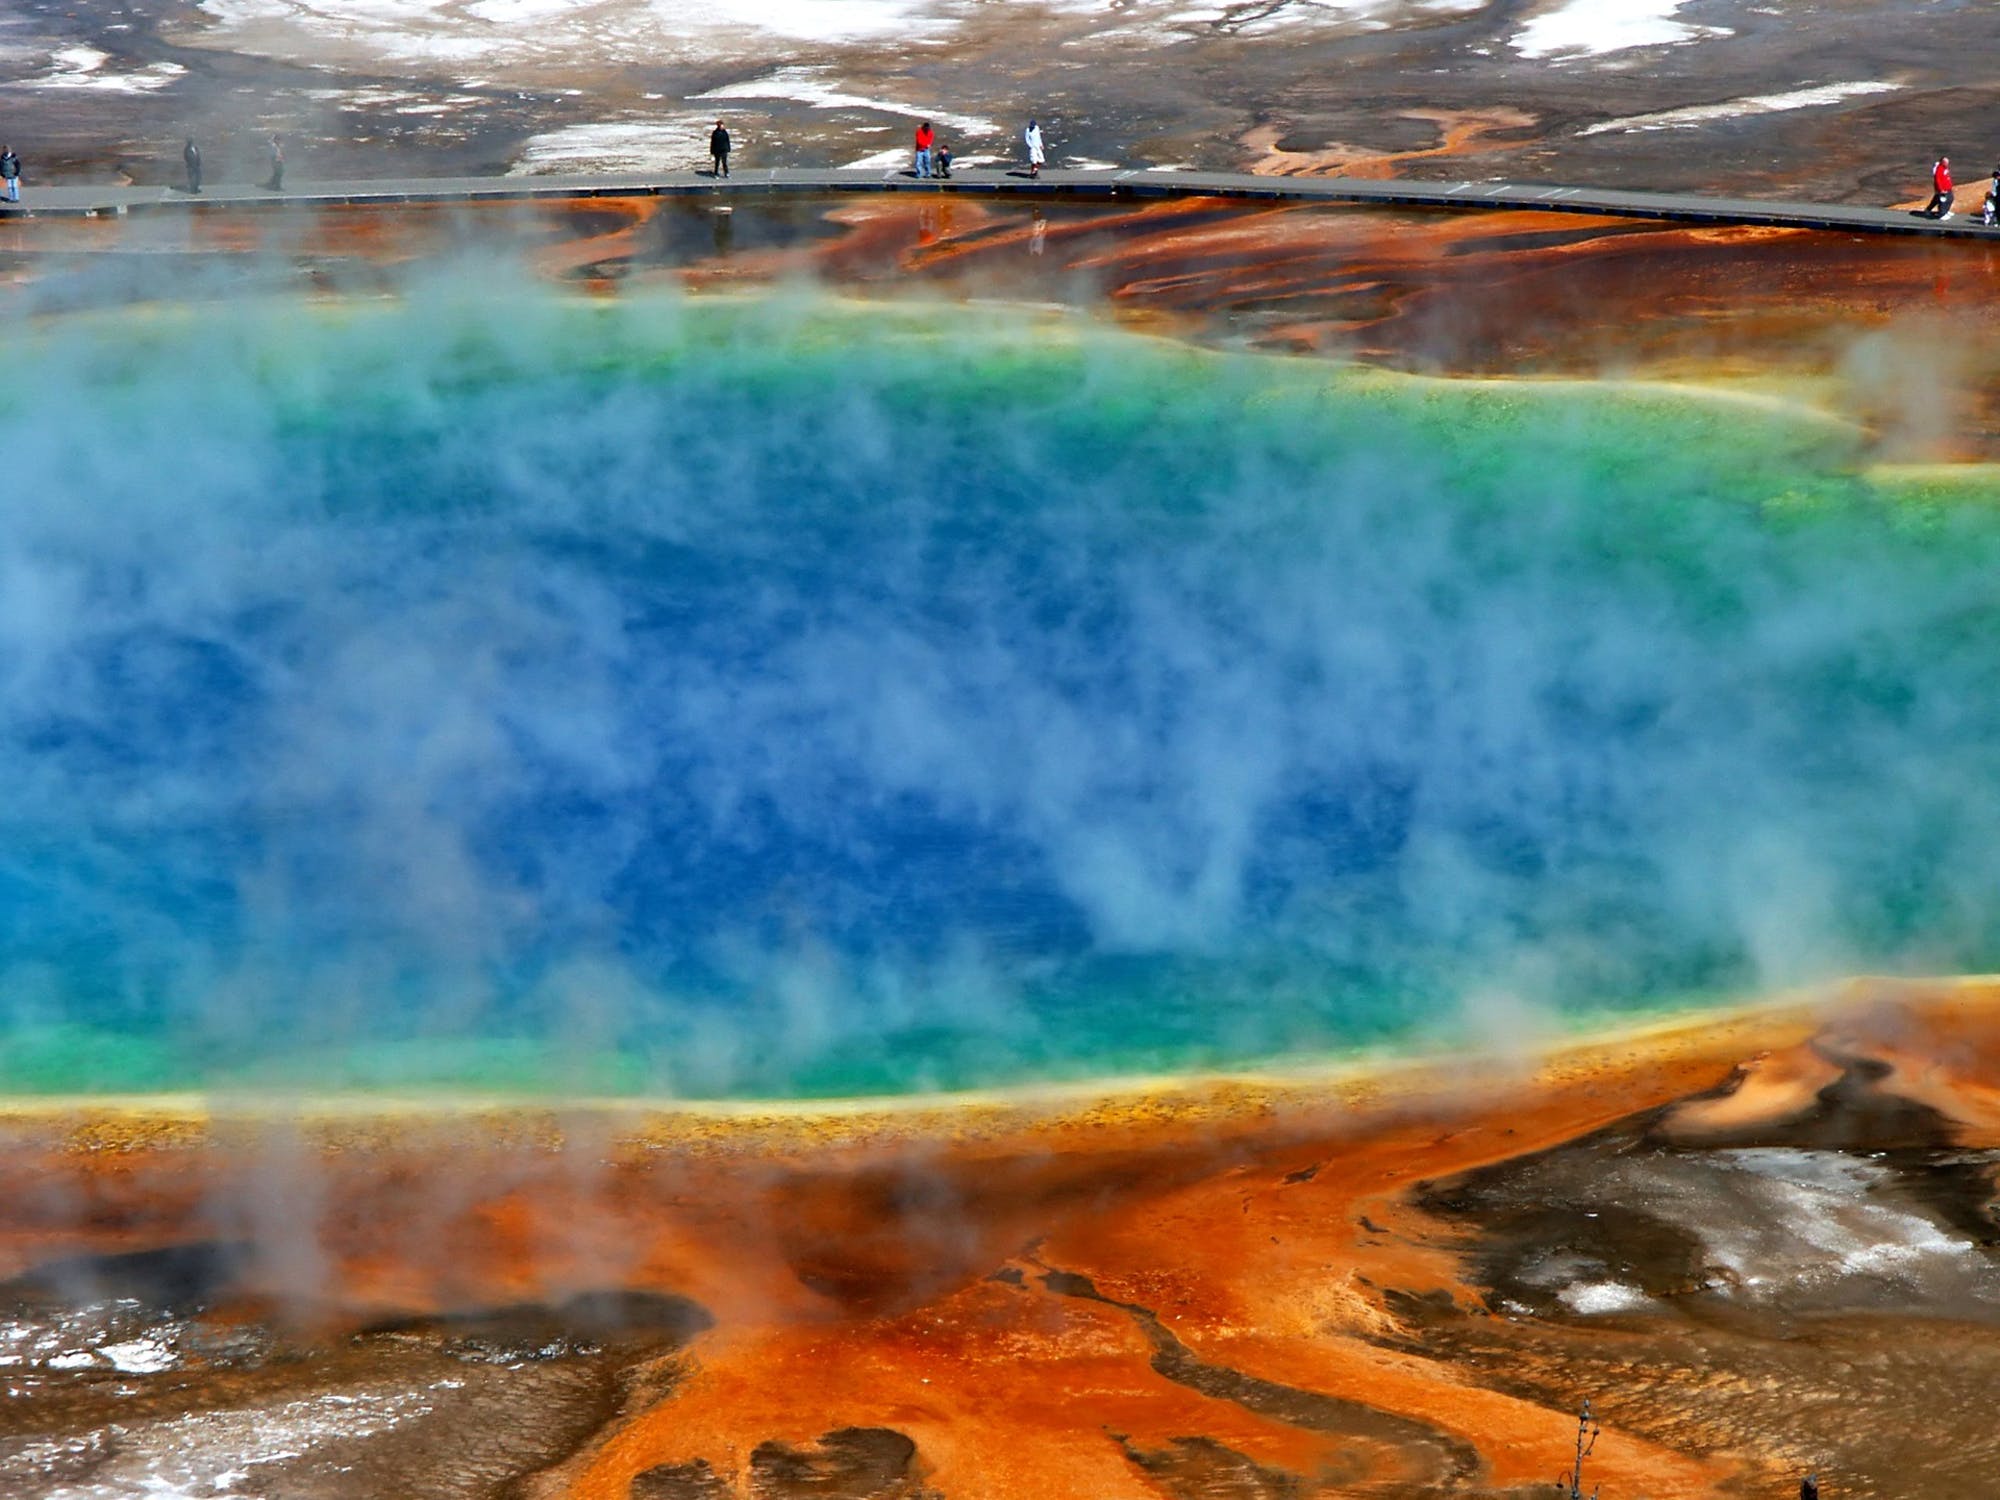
(699, 698)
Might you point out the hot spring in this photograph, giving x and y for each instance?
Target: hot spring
(785, 698)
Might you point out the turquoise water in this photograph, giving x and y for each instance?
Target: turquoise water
(773, 699)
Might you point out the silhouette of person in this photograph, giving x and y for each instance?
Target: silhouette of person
(1809, 1487)
(718, 151)
(277, 182)
(191, 154)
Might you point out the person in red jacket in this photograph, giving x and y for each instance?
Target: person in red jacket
(1940, 205)
(925, 135)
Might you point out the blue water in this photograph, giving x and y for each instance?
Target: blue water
(764, 700)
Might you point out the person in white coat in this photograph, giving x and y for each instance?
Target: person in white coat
(1033, 136)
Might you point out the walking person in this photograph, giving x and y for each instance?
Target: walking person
(1032, 136)
(718, 151)
(1989, 211)
(191, 155)
(277, 182)
(10, 174)
(925, 137)
(1939, 207)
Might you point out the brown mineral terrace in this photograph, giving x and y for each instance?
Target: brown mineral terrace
(1053, 185)
(1328, 1282)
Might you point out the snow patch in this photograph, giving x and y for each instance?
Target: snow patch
(1825, 1219)
(1592, 1298)
(1750, 104)
(811, 86)
(572, 31)
(543, 36)
(885, 160)
(83, 68)
(620, 146)
(1596, 28)
(824, 21)
(141, 1356)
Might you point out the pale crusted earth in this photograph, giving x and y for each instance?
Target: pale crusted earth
(1834, 99)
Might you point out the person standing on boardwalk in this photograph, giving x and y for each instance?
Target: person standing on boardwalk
(10, 174)
(925, 136)
(1809, 1487)
(191, 154)
(1941, 194)
(277, 182)
(1032, 136)
(718, 151)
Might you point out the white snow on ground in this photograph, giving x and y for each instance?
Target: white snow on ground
(1802, 1228)
(520, 12)
(1750, 104)
(1824, 1220)
(1374, 15)
(672, 145)
(83, 68)
(396, 31)
(206, 1454)
(402, 101)
(1594, 1297)
(1164, 25)
(809, 20)
(580, 33)
(814, 87)
(884, 160)
(1593, 28)
(509, 36)
(140, 1356)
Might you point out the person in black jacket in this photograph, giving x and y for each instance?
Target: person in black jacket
(1809, 1487)
(10, 174)
(191, 154)
(718, 151)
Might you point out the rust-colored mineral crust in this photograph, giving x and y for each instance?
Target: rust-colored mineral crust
(1259, 1286)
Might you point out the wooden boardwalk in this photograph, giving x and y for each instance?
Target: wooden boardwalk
(1094, 185)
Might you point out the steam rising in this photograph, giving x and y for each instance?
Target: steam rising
(721, 698)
